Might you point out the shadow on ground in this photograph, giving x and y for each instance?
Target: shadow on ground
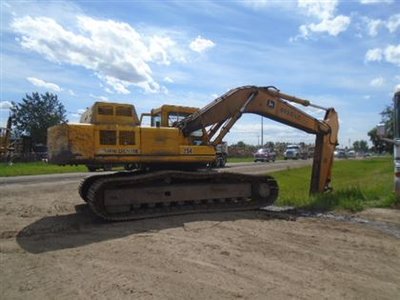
(83, 228)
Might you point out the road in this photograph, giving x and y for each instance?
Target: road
(262, 168)
(52, 247)
(245, 167)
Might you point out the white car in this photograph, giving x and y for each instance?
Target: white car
(351, 154)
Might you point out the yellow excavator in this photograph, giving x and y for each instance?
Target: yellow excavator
(169, 158)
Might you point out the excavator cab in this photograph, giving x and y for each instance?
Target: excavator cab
(169, 115)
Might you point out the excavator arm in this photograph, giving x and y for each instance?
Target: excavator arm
(217, 118)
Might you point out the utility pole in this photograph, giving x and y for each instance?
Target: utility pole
(262, 131)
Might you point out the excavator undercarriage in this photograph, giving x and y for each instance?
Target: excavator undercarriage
(137, 195)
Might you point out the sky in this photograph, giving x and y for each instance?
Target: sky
(340, 54)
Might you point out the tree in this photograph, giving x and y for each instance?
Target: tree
(269, 145)
(388, 120)
(36, 113)
(241, 144)
(360, 146)
(378, 145)
(280, 147)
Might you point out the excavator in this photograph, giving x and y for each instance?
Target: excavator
(169, 160)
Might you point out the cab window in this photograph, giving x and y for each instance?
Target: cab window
(176, 117)
(124, 111)
(108, 137)
(156, 119)
(127, 138)
(105, 110)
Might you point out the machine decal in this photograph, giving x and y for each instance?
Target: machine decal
(118, 151)
(270, 104)
(188, 150)
(290, 113)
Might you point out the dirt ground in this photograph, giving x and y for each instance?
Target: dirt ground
(53, 248)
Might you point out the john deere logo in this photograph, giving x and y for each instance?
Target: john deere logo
(271, 104)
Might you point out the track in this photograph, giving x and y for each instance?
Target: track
(137, 195)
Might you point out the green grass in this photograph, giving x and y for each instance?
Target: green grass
(240, 159)
(357, 184)
(36, 168)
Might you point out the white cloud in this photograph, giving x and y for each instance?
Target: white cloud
(377, 82)
(43, 84)
(324, 11)
(100, 98)
(375, 54)
(373, 26)
(331, 26)
(5, 104)
(158, 49)
(71, 92)
(390, 54)
(319, 8)
(393, 23)
(107, 90)
(115, 51)
(120, 86)
(397, 88)
(200, 44)
(375, 1)
(168, 79)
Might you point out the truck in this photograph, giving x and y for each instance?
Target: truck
(171, 158)
(295, 152)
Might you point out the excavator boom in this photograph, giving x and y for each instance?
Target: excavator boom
(221, 114)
